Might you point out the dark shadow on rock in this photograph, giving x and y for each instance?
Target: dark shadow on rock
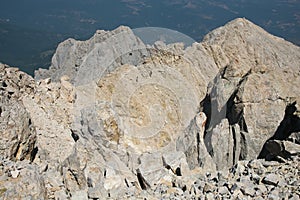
(33, 153)
(205, 106)
(143, 183)
(289, 125)
(233, 110)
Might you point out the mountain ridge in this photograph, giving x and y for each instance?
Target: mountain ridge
(83, 18)
(113, 117)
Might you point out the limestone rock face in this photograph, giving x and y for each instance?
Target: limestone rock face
(18, 135)
(192, 144)
(21, 180)
(259, 79)
(114, 118)
(84, 61)
(52, 103)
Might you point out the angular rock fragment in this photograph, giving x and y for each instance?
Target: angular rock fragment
(271, 179)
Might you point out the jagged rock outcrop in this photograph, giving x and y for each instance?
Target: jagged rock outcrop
(52, 103)
(84, 61)
(191, 142)
(259, 78)
(113, 117)
(18, 135)
(21, 180)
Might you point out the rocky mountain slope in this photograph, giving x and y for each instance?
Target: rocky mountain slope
(116, 118)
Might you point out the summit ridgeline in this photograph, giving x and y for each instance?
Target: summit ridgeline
(115, 118)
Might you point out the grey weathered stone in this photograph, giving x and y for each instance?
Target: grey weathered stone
(294, 196)
(259, 198)
(128, 123)
(79, 195)
(274, 195)
(239, 168)
(291, 148)
(248, 190)
(84, 61)
(151, 168)
(208, 188)
(271, 179)
(256, 178)
(223, 190)
(51, 102)
(60, 195)
(177, 163)
(18, 135)
(257, 69)
(261, 188)
(191, 142)
(73, 177)
(209, 196)
(237, 194)
(255, 164)
(222, 145)
(21, 183)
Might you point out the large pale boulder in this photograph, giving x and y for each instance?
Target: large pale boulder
(259, 76)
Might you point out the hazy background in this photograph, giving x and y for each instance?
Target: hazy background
(31, 29)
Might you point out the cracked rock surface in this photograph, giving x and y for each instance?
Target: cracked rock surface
(114, 118)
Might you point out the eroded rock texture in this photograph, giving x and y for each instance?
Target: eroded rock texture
(18, 135)
(115, 118)
(259, 77)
